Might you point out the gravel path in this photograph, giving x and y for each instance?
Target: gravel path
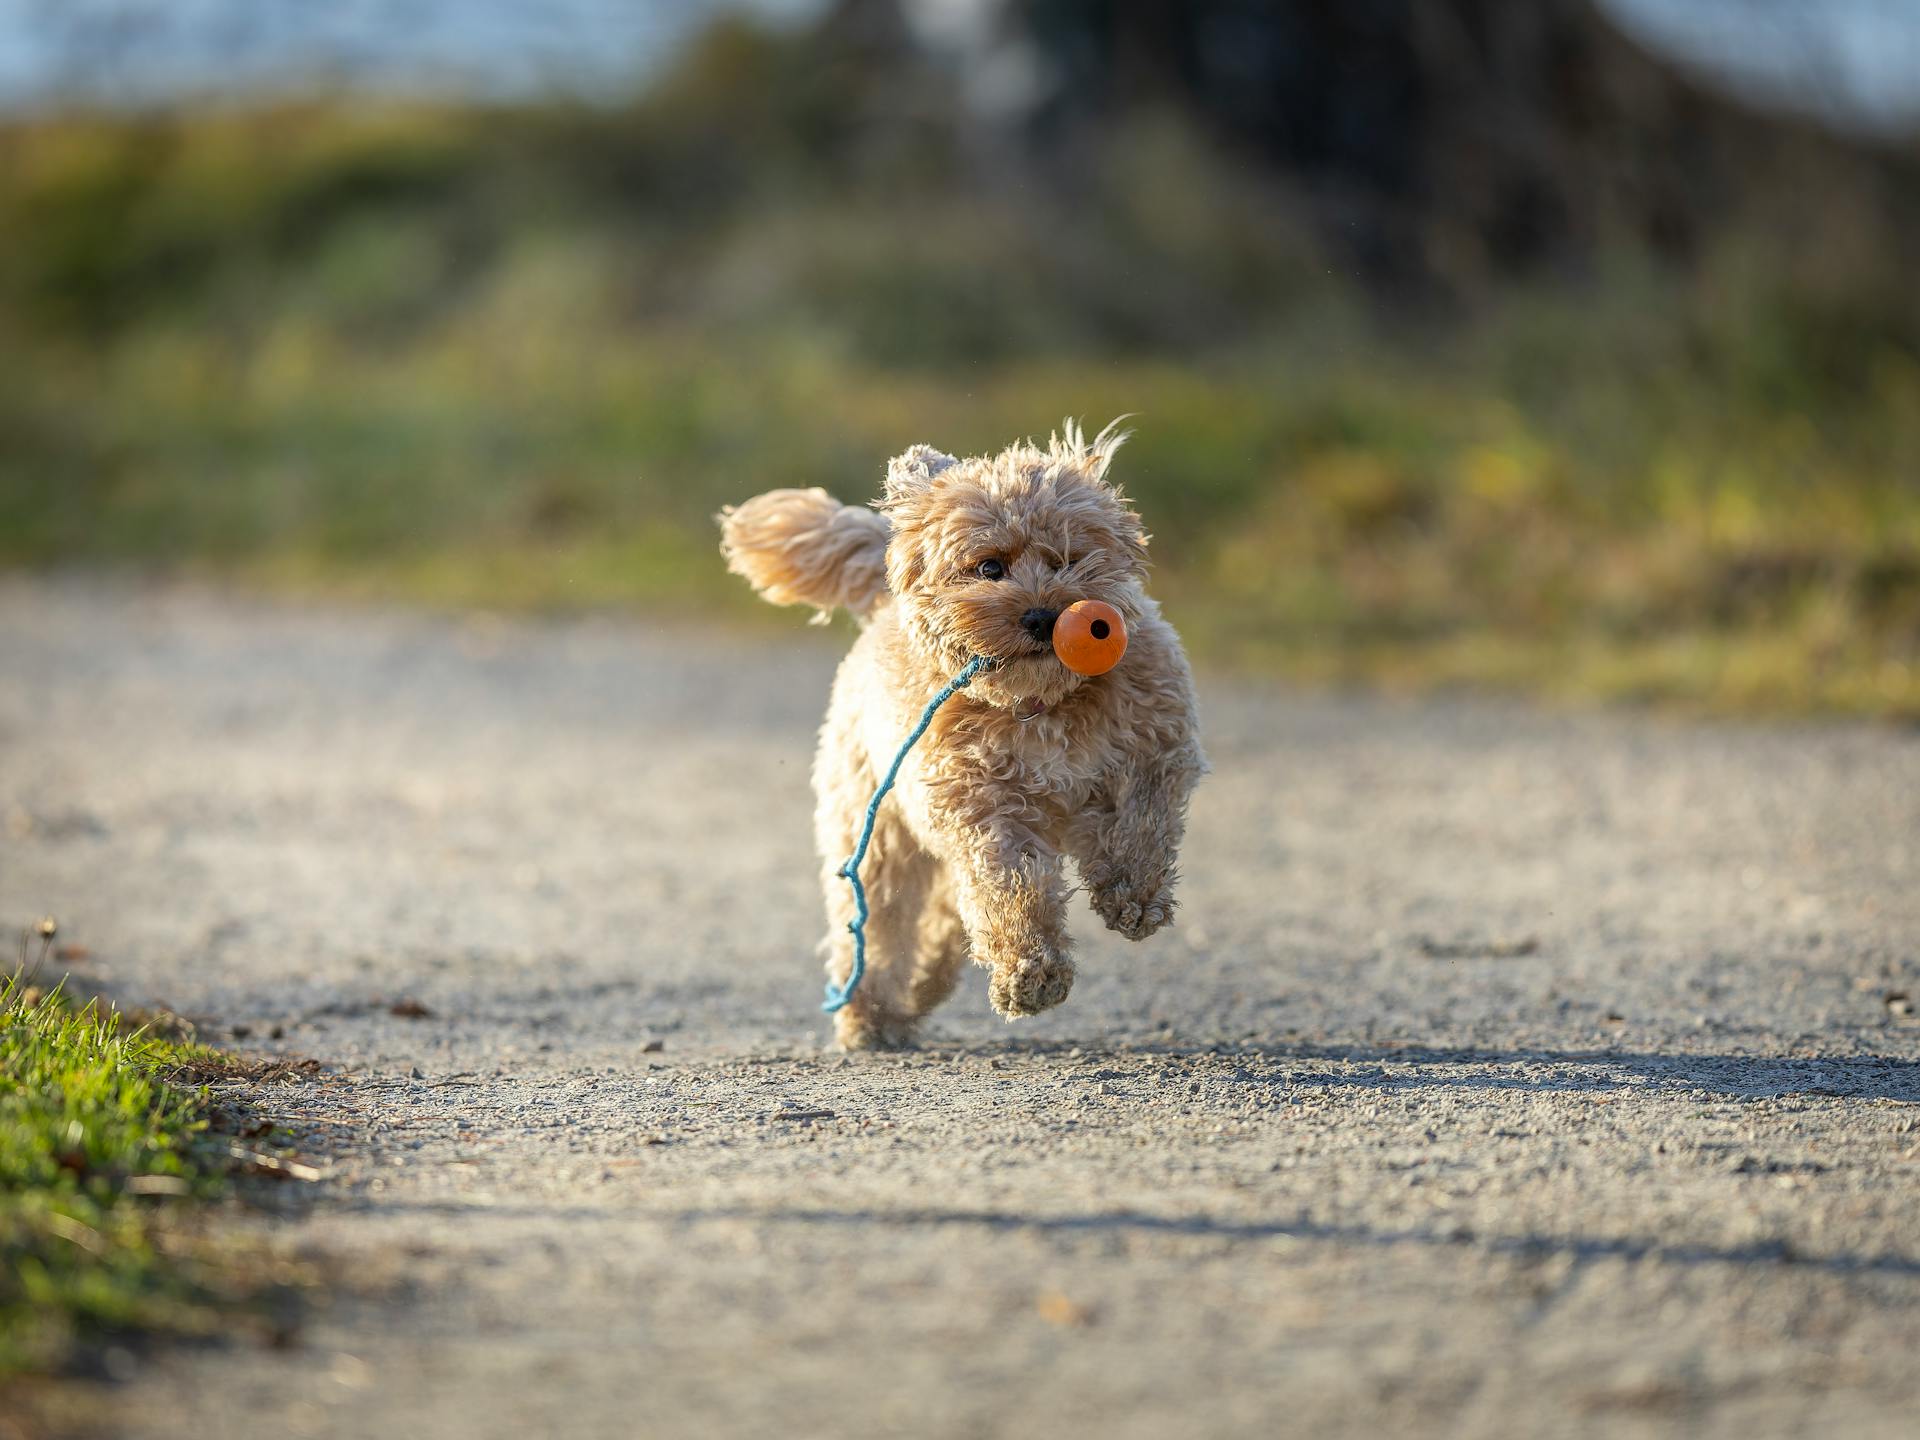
(1508, 1073)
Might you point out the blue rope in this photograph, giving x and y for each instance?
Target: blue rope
(850, 872)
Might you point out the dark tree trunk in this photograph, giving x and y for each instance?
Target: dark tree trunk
(1444, 140)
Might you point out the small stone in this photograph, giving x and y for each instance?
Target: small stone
(1057, 1309)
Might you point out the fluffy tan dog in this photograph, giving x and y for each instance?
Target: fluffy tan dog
(1029, 765)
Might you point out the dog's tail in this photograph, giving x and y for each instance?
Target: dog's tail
(803, 547)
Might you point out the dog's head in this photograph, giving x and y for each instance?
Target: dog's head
(986, 552)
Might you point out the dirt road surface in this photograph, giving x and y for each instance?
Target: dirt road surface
(1508, 1073)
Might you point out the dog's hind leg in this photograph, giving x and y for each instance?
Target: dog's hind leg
(899, 877)
(940, 951)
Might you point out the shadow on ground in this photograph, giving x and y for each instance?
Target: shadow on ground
(1392, 1067)
(1527, 1246)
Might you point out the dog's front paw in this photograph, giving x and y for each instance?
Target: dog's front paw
(1030, 984)
(1134, 914)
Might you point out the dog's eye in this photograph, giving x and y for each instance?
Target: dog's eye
(990, 570)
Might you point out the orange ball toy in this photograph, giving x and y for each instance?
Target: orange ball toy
(1089, 637)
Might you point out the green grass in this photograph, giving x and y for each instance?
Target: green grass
(1386, 518)
(517, 358)
(104, 1147)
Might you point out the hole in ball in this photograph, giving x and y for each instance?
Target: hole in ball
(1099, 630)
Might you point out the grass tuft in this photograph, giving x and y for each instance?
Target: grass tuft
(103, 1142)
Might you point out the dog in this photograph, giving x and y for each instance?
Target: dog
(1028, 766)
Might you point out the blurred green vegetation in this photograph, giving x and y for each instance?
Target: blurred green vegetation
(518, 357)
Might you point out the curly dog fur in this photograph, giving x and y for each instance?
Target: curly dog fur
(1031, 765)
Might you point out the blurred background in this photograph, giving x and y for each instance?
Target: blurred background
(1570, 346)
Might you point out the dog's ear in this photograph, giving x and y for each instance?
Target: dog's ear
(1133, 535)
(1107, 519)
(909, 477)
(910, 474)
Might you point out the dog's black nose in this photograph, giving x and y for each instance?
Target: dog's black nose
(1039, 623)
